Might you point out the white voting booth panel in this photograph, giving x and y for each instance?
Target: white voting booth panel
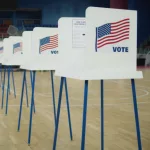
(26, 48)
(27, 37)
(113, 42)
(15, 50)
(71, 41)
(1, 50)
(7, 50)
(44, 49)
(110, 51)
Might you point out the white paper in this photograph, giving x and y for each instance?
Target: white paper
(78, 33)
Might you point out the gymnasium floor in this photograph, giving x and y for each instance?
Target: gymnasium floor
(120, 133)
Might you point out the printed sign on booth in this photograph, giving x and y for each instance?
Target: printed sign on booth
(113, 33)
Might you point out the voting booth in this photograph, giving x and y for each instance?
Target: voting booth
(101, 46)
(71, 41)
(11, 57)
(42, 53)
(26, 56)
(1, 55)
(113, 58)
(4, 59)
(7, 50)
(16, 51)
(44, 49)
(26, 46)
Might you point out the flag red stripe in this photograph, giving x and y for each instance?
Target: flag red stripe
(112, 39)
(120, 31)
(124, 23)
(122, 27)
(48, 48)
(49, 45)
(54, 38)
(54, 35)
(121, 21)
(113, 42)
(113, 35)
(52, 42)
(17, 49)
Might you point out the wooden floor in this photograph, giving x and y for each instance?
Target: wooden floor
(120, 132)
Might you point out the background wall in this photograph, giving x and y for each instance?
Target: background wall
(143, 8)
(123, 4)
(52, 10)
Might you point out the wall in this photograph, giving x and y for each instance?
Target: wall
(122, 4)
(143, 10)
(31, 3)
(52, 10)
(76, 8)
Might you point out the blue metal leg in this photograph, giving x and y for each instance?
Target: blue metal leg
(68, 109)
(31, 108)
(13, 82)
(31, 77)
(136, 115)
(9, 81)
(21, 100)
(58, 113)
(1, 75)
(3, 89)
(26, 90)
(84, 115)
(53, 94)
(102, 115)
(31, 87)
(6, 111)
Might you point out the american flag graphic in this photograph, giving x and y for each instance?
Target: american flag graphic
(48, 43)
(112, 33)
(17, 47)
(1, 50)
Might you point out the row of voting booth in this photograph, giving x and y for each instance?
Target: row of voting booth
(99, 46)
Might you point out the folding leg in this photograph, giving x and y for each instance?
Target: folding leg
(31, 87)
(68, 109)
(1, 75)
(136, 115)
(26, 89)
(84, 115)
(13, 82)
(3, 89)
(102, 115)
(21, 100)
(9, 81)
(58, 112)
(31, 107)
(53, 94)
(8, 87)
